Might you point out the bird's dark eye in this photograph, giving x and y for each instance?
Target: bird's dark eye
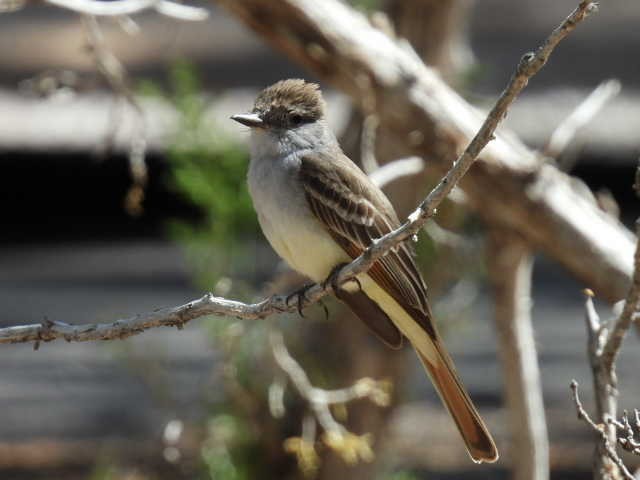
(296, 119)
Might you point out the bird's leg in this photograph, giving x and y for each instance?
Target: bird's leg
(333, 279)
(301, 297)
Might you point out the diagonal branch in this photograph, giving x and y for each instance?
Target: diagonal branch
(528, 66)
(578, 119)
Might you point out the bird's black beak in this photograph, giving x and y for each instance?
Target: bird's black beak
(249, 119)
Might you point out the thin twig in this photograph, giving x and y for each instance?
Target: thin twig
(600, 430)
(628, 441)
(570, 127)
(320, 400)
(117, 77)
(529, 65)
(396, 169)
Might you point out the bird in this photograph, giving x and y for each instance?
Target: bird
(319, 211)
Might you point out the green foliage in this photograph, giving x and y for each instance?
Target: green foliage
(103, 471)
(226, 435)
(208, 169)
(401, 475)
(366, 5)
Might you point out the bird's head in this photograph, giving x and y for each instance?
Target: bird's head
(285, 105)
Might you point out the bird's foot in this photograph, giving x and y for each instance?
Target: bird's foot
(301, 297)
(332, 280)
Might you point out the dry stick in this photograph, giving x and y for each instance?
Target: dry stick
(528, 66)
(605, 394)
(118, 79)
(368, 144)
(116, 75)
(603, 347)
(578, 119)
(628, 442)
(606, 442)
(397, 169)
(320, 400)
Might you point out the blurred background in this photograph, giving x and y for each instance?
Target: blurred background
(85, 237)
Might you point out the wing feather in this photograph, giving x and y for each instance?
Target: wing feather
(355, 213)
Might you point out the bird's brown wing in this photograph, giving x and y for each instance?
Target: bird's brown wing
(355, 212)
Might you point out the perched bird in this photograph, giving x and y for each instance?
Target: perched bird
(319, 211)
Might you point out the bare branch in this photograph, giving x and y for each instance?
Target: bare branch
(529, 65)
(603, 348)
(596, 330)
(571, 126)
(350, 446)
(628, 315)
(395, 170)
(451, 239)
(320, 399)
(129, 7)
(117, 77)
(368, 143)
(510, 263)
(627, 442)
(600, 430)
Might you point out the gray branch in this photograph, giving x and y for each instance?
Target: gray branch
(510, 263)
(579, 118)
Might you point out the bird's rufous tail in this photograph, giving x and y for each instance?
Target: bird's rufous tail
(477, 438)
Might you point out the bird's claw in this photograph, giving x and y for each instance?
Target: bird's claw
(332, 279)
(301, 297)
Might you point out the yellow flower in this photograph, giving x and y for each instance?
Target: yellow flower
(306, 455)
(351, 447)
(378, 391)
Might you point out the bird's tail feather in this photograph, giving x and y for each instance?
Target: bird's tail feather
(418, 328)
(477, 438)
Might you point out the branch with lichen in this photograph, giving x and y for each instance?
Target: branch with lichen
(529, 65)
(350, 446)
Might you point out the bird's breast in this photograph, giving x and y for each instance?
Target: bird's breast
(287, 221)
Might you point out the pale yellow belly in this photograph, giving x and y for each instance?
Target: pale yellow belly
(304, 245)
